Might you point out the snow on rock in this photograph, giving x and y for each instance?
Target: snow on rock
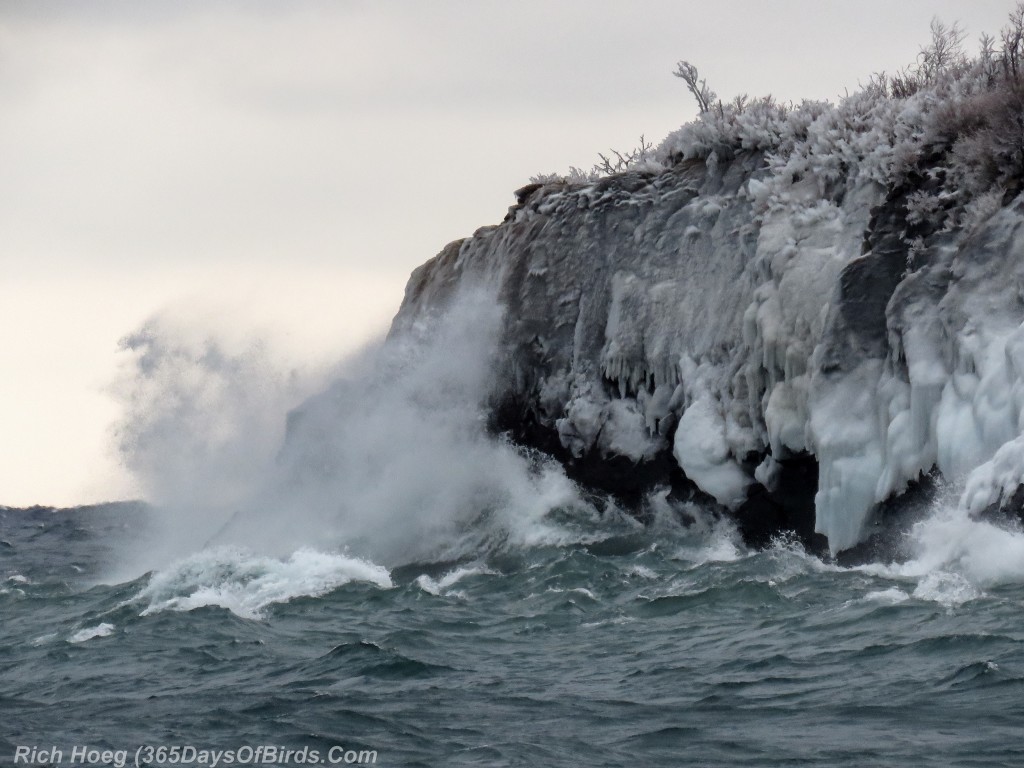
(625, 432)
(703, 453)
(742, 307)
(996, 480)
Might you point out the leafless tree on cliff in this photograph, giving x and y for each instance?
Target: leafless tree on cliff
(697, 85)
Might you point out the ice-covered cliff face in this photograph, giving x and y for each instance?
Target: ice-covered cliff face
(725, 317)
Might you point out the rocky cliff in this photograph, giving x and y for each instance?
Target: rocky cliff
(799, 312)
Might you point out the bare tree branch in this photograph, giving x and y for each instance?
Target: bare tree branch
(944, 53)
(697, 85)
(1012, 38)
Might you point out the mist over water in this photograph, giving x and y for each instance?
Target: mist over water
(203, 420)
(384, 457)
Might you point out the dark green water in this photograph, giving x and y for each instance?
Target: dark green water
(664, 647)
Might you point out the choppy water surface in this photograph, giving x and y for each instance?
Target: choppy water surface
(615, 646)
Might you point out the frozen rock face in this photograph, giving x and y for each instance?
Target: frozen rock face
(721, 323)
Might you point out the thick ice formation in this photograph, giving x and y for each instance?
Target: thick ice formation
(738, 308)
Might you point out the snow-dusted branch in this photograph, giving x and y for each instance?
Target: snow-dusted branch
(944, 54)
(624, 161)
(1013, 44)
(697, 85)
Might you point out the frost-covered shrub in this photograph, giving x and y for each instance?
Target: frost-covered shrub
(640, 158)
(922, 206)
(989, 149)
(574, 176)
(744, 124)
(979, 210)
(634, 159)
(546, 178)
(956, 119)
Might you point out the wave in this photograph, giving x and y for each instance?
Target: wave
(88, 633)
(444, 584)
(247, 584)
(391, 461)
(953, 556)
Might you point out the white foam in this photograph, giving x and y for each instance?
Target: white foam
(951, 542)
(641, 571)
(14, 590)
(955, 558)
(949, 589)
(438, 586)
(101, 630)
(790, 560)
(720, 546)
(246, 584)
(890, 596)
(574, 591)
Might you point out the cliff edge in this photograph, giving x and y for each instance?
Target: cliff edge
(797, 311)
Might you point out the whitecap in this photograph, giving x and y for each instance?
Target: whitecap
(437, 586)
(720, 547)
(642, 572)
(955, 558)
(948, 589)
(890, 596)
(246, 584)
(101, 630)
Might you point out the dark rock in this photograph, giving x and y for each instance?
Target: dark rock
(886, 534)
(1009, 509)
(788, 508)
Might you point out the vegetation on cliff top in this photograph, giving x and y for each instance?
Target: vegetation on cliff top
(956, 119)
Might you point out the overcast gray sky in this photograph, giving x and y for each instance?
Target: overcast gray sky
(288, 163)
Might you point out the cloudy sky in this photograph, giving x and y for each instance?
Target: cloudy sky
(284, 165)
